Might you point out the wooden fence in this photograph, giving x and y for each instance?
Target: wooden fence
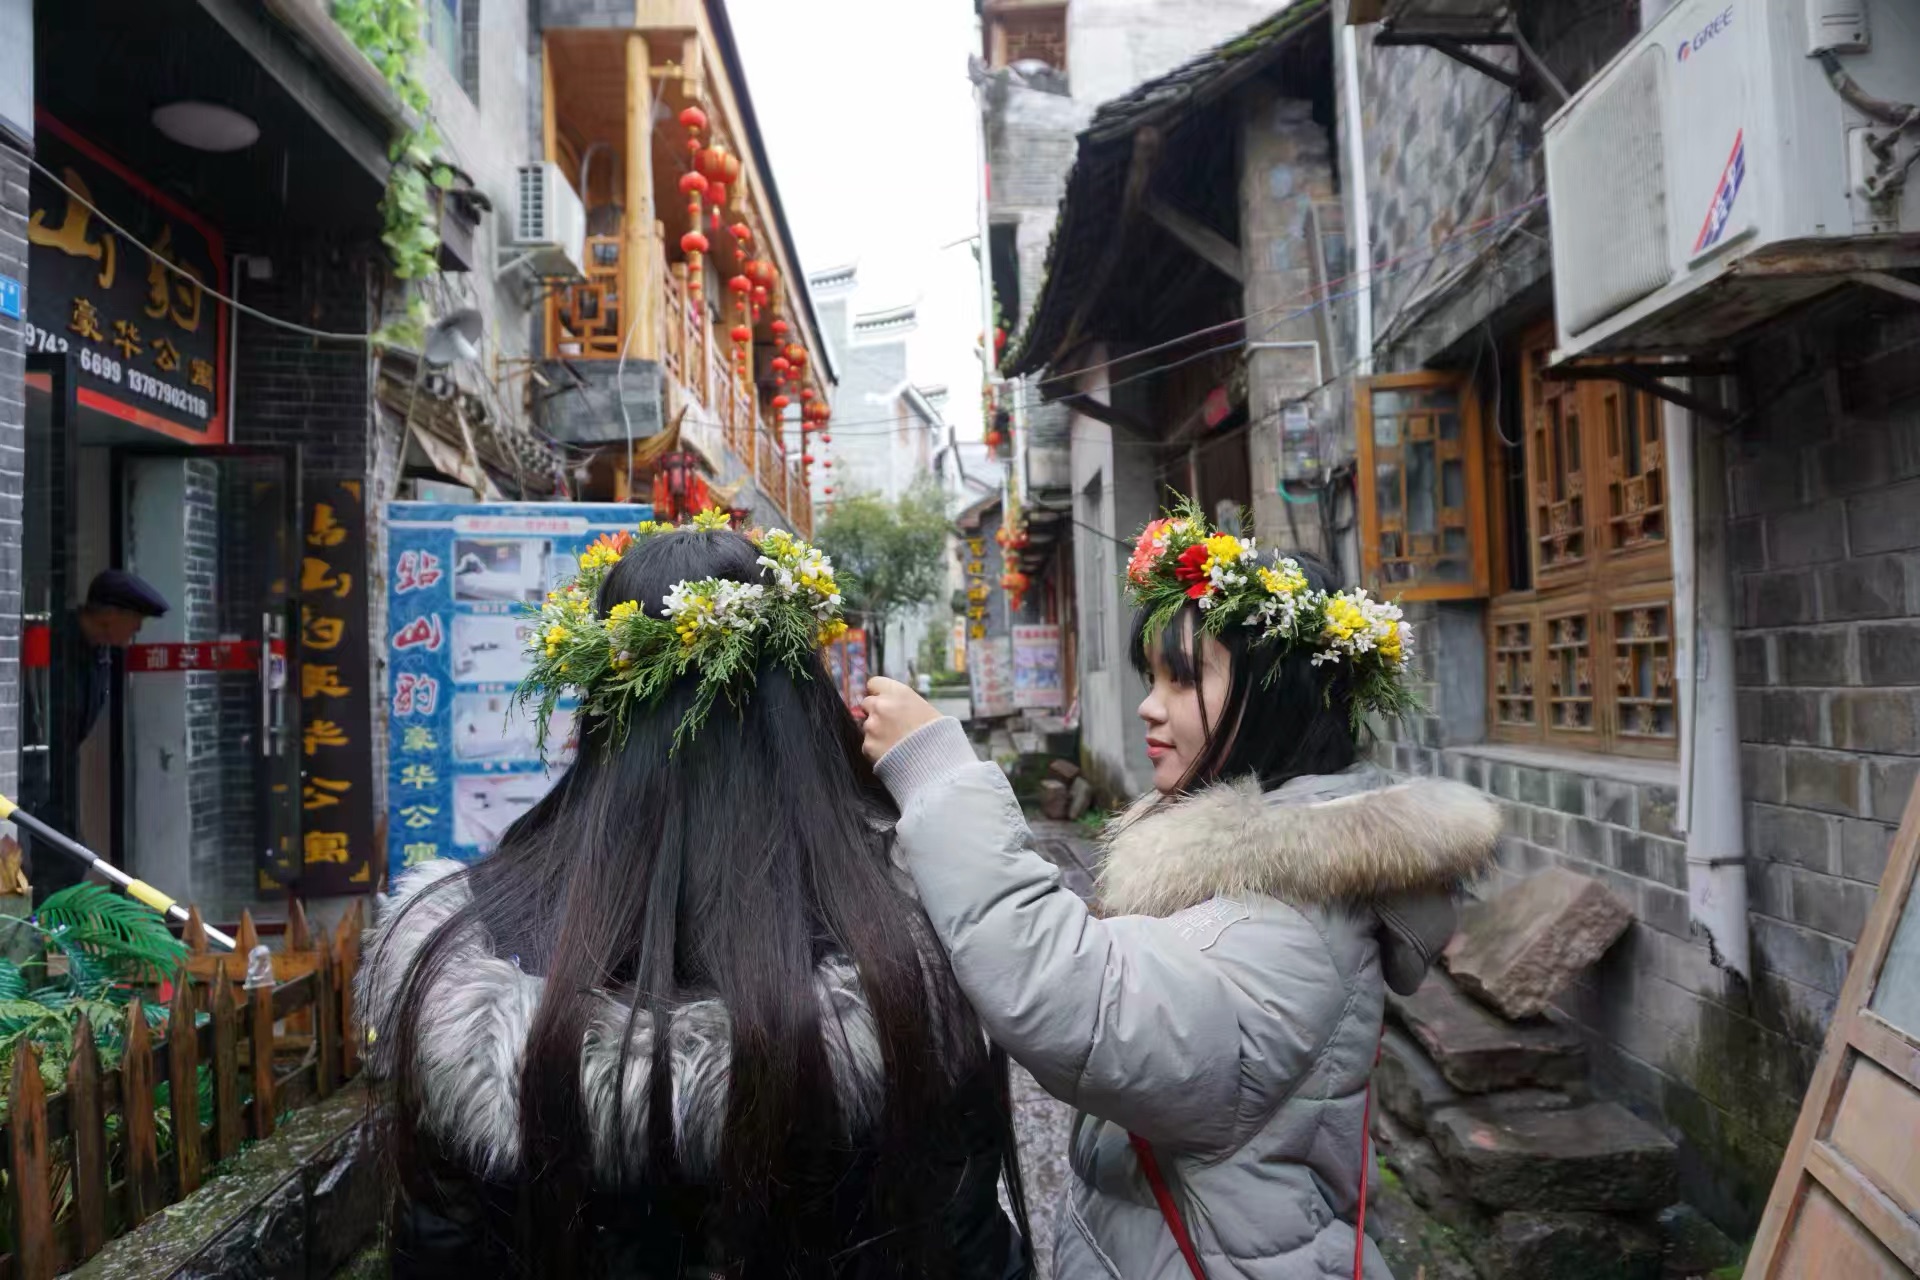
(267, 1050)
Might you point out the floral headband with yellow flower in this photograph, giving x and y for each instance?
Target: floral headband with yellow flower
(1179, 560)
(718, 628)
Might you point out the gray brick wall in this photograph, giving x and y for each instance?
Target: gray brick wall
(13, 262)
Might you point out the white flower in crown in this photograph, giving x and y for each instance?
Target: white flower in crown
(715, 605)
(1285, 596)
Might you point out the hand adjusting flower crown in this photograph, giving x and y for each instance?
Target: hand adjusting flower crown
(1178, 559)
(718, 628)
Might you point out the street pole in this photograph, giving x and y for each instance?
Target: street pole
(138, 890)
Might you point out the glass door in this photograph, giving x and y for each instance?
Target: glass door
(209, 761)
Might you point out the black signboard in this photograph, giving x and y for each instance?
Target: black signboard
(336, 707)
(150, 342)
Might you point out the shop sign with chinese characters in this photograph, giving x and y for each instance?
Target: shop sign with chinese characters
(462, 582)
(147, 335)
(337, 854)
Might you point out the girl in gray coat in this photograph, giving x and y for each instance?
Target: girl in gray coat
(1217, 1022)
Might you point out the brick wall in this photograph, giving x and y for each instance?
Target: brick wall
(13, 262)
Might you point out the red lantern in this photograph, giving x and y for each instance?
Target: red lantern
(780, 404)
(827, 463)
(717, 192)
(741, 232)
(827, 490)
(762, 273)
(780, 328)
(806, 393)
(740, 284)
(1014, 581)
(693, 242)
(759, 296)
(742, 334)
(694, 119)
(731, 165)
(679, 481)
(712, 162)
(780, 365)
(692, 184)
(826, 439)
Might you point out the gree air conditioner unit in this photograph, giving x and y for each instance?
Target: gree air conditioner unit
(549, 223)
(1740, 157)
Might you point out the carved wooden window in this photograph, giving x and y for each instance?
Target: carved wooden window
(1027, 33)
(1423, 487)
(1584, 655)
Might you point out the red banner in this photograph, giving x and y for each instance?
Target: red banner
(224, 655)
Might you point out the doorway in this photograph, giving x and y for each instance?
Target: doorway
(208, 777)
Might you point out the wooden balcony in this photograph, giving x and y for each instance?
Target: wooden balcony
(584, 321)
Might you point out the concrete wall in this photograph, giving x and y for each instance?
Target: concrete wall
(1286, 170)
(1114, 495)
(1113, 45)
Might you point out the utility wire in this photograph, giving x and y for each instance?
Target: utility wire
(356, 338)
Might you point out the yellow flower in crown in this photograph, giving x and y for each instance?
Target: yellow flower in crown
(556, 636)
(1223, 549)
(1344, 619)
(832, 631)
(1284, 579)
(711, 519)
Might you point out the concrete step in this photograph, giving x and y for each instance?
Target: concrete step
(1478, 1051)
(1596, 1157)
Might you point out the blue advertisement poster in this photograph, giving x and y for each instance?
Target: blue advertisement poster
(462, 761)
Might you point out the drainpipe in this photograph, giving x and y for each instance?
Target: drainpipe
(1709, 809)
(1360, 226)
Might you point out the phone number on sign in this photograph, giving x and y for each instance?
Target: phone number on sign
(107, 369)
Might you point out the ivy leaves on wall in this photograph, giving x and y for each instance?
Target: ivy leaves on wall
(389, 33)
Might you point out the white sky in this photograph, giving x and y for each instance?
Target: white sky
(868, 119)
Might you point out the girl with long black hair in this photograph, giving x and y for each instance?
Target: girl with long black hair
(1217, 1026)
(688, 1019)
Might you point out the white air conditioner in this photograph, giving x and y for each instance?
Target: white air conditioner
(1712, 175)
(549, 223)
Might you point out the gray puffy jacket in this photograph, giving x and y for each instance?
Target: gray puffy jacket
(1227, 1008)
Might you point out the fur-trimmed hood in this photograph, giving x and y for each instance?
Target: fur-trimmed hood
(1314, 840)
(476, 1019)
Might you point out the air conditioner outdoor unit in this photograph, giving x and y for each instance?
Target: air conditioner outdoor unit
(549, 223)
(1712, 175)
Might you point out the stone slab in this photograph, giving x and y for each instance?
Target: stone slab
(1518, 950)
(1691, 1245)
(1595, 1157)
(1477, 1051)
(1407, 1083)
(1413, 1242)
(1571, 1246)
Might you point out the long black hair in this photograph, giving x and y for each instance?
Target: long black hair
(1282, 718)
(730, 871)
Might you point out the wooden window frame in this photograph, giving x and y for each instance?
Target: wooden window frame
(1604, 583)
(1472, 452)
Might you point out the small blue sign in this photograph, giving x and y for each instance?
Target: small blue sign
(10, 298)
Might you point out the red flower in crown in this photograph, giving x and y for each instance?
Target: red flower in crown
(1192, 567)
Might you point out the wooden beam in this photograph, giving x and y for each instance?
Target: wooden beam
(1213, 248)
(642, 263)
(1101, 411)
(1146, 153)
(550, 109)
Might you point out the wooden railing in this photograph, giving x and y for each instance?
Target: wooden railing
(799, 500)
(266, 1049)
(584, 321)
(770, 469)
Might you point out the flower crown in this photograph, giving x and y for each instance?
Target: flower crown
(1178, 559)
(719, 628)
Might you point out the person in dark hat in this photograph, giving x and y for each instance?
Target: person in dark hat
(118, 604)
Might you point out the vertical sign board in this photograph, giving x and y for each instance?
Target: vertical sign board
(1037, 685)
(462, 761)
(336, 697)
(846, 660)
(990, 663)
(150, 340)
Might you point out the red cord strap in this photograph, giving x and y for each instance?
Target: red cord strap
(1177, 1224)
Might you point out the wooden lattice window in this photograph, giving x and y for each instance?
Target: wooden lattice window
(1023, 33)
(1423, 487)
(1583, 654)
(1514, 704)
